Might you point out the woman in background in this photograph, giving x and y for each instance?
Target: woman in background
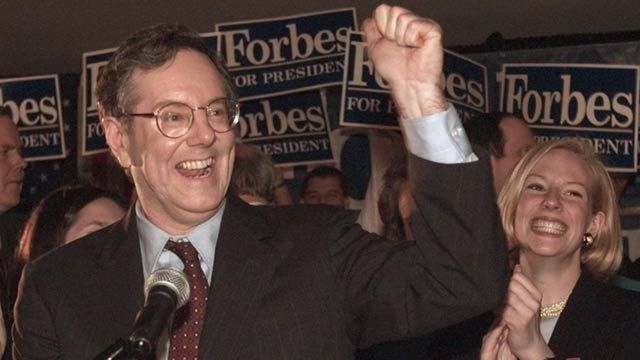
(558, 207)
(62, 216)
(67, 214)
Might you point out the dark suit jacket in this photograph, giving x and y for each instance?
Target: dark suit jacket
(600, 321)
(461, 341)
(11, 225)
(288, 282)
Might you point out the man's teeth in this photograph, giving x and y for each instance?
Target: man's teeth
(195, 164)
(550, 227)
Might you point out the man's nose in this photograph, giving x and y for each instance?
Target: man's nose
(19, 161)
(201, 132)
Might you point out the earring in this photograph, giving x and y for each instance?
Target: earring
(587, 240)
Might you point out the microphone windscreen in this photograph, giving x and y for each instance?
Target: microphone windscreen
(171, 278)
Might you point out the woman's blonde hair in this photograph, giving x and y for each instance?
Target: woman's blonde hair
(603, 258)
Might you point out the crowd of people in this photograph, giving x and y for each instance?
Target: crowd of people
(491, 247)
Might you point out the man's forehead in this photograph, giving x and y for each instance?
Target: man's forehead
(322, 182)
(184, 59)
(514, 127)
(186, 65)
(7, 128)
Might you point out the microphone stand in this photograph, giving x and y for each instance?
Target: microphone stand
(126, 350)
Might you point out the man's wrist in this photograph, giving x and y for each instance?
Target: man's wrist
(415, 100)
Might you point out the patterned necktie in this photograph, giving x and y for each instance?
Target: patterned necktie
(188, 320)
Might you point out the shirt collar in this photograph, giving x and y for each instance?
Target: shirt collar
(203, 237)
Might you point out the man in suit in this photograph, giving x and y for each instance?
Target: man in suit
(283, 282)
(12, 167)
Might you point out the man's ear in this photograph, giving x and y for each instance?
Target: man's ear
(117, 138)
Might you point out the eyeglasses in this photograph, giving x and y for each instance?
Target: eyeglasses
(175, 119)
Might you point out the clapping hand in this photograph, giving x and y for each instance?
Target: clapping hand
(521, 315)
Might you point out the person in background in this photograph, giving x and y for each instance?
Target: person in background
(253, 177)
(506, 136)
(395, 203)
(60, 217)
(255, 180)
(12, 167)
(325, 185)
(630, 222)
(559, 208)
(67, 214)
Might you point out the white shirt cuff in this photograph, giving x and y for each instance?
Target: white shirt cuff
(439, 138)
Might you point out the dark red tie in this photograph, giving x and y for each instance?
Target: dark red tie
(188, 321)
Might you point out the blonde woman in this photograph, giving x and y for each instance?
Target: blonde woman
(558, 207)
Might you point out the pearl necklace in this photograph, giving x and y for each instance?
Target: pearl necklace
(553, 310)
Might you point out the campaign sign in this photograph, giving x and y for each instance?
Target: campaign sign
(35, 105)
(597, 102)
(211, 39)
(466, 85)
(93, 140)
(293, 129)
(276, 56)
(92, 134)
(366, 101)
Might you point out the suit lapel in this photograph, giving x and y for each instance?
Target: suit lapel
(584, 299)
(119, 259)
(244, 263)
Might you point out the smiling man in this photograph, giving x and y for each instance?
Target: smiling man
(266, 282)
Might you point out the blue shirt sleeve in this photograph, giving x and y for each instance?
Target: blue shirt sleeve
(439, 138)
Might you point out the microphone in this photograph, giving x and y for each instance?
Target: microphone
(166, 290)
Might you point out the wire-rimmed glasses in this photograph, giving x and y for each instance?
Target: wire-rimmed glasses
(175, 119)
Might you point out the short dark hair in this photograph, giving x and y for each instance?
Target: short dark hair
(149, 49)
(484, 130)
(53, 216)
(325, 171)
